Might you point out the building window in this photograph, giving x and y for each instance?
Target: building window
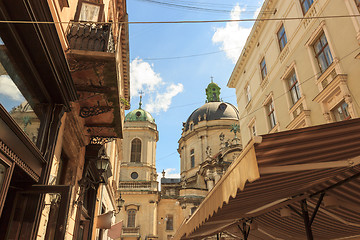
(306, 4)
(131, 218)
(294, 88)
(281, 35)
(136, 150)
(263, 68)
(271, 114)
(357, 2)
(88, 11)
(341, 112)
(322, 53)
(192, 158)
(248, 93)
(252, 129)
(170, 222)
(192, 210)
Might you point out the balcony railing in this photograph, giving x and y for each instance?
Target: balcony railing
(131, 231)
(135, 185)
(90, 37)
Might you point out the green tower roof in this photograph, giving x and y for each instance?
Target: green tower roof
(213, 92)
(139, 115)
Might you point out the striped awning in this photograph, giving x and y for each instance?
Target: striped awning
(293, 166)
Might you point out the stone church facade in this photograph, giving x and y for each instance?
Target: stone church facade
(207, 146)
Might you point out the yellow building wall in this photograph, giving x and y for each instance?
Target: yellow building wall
(298, 55)
(168, 207)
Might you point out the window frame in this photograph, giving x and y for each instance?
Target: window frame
(192, 158)
(135, 156)
(302, 2)
(283, 38)
(131, 218)
(263, 68)
(322, 51)
(78, 10)
(169, 223)
(293, 86)
(270, 110)
(338, 117)
(357, 4)
(248, 92)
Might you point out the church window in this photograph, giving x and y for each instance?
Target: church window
(192, 157)
(131, 218)
(134, 175)
(136, 150)
(170, 222)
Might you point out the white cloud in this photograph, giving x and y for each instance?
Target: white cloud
(169, 173)
(257, 11)
(9, 89)
(160, 93)
(143, 77)
(232, 37)
(162, 101)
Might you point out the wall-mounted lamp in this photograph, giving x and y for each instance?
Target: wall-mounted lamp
(103, 161)
(119, 204)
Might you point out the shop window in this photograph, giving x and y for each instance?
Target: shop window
(248, 93)
(192, 158)
(341, 112)
(263, 68)
(15, 97)
(131, 218)
(170, 222)
(282, 39)
(305, 5)
(322, 52)
(136, 150)
(294, 87)
(271, 113)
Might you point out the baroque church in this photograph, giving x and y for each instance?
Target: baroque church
(207, 146)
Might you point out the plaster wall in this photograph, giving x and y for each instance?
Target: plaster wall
(298, 56)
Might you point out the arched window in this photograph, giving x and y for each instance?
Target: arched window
(192, 158)
(131, 218)
(135, 150)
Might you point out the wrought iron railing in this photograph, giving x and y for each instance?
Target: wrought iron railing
(91, 37)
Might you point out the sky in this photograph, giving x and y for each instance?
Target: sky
(173, 63)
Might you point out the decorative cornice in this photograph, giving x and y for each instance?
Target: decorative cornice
(10, 154)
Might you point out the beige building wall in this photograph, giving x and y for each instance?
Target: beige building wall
(169, 208)
(321, 90)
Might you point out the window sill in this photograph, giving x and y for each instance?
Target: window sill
(264, 82)
(312, 12)
(275, 128)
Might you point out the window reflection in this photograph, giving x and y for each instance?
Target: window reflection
(12, 96)
(2, 174)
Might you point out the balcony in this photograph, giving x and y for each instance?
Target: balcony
(98, 62)
(130, 232)
(91, 37)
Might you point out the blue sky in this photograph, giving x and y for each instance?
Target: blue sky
(174, 88)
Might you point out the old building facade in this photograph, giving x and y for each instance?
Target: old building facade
(301, 72)
(60, 126)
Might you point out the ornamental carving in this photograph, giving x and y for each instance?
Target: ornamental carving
(93, 111)
(101, 140)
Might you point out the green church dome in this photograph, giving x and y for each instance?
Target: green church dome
(139, 115)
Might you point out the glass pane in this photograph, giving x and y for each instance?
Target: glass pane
(2, 174)
(12, 96)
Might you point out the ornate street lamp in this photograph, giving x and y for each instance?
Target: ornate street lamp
(103, 161)
(120, 203)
